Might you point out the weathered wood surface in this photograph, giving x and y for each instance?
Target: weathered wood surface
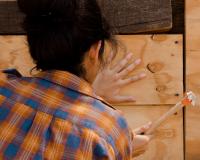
(131, 16)
(193, 78)
(162, 62)
(10, 18)
(168, 141)
(178, 17)
(134, 16)
(193, 114)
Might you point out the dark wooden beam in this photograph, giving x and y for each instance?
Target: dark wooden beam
(136, 16)
(126, 17)
(178, 12)
(10, 18)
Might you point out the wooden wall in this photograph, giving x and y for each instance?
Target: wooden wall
(162, 57)
(193, 78)
(171, 69)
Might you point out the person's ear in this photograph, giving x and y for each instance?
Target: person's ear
(94, 51)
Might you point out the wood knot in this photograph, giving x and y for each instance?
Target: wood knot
(166, 133)
(159, 38)
(161, 88)
(155, 67)
(176, 94)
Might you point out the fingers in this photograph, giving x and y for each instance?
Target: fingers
(122, 99)
(139, 152)
(122, 64)
(130, 68)
(110, 57)
(150, 137)
(133, 79)
(140, 141)
(143, 129)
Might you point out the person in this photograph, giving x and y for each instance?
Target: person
(58, 113)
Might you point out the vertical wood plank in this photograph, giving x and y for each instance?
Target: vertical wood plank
(193, 76)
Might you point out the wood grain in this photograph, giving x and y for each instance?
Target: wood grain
(178, 17)
(192, 26)
(10, 18)
(193, 77)
(14, 54)
(193, 114)
(168, 141)
(163, 64)
(135, 16)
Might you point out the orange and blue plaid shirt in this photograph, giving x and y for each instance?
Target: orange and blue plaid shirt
(56, 115)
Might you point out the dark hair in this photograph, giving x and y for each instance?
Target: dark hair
(59, 32)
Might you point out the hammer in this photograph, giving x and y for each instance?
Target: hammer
(189, 99)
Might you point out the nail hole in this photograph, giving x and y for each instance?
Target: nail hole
(177, 94)
(176, 42)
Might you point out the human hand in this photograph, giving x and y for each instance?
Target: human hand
(140, 142)
(110, 80)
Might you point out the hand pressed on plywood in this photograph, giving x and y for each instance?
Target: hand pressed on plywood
(110, 80)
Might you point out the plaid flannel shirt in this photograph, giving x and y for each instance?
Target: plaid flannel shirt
(56, 115)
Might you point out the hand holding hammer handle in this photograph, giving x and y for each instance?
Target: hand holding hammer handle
(188, 100)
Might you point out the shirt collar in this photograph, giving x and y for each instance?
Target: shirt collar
(68, 80)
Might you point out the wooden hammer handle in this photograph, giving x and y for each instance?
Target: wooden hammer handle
(157, 123)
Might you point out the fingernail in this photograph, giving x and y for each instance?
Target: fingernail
(142, 75)
(129, 55)
(138, 61)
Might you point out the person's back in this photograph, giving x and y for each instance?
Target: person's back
(56, 115)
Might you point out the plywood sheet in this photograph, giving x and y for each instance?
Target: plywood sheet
(162, 57)
(14, 54)
(168, 141)
(193, 77)
(192, 26)
(193, 114)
